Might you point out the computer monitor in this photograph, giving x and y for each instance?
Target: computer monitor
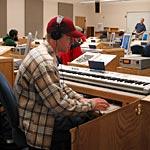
(96, 65)
(126, 42)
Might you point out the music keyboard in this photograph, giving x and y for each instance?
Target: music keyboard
(114, 80)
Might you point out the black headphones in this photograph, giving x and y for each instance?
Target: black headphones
(57, 33)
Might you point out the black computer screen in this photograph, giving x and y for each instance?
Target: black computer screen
(96, 65)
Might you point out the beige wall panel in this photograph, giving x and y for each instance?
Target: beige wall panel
(3, 17)
(65, 9)
(34, 17)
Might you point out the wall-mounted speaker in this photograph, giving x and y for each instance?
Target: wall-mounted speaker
(97, 7)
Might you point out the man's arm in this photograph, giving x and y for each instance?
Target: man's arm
(140, 33)
(54, 96)
(62, 100)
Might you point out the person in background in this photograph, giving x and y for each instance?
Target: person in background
(48, 108)
(75, 49)
(11, 38)
(82, 38)
(139, 29)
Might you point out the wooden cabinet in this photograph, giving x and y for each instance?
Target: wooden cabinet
(143, 72)
(7, 68)
(124, 129)
(119, 52)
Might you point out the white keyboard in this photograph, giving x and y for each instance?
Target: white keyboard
(114, 80)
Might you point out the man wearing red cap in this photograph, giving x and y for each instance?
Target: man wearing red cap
(45, 104)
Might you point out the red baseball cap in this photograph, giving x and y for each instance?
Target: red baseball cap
(65, 26)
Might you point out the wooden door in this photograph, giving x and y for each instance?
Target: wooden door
(3, 18)
(65, 9)
(80, 21)
(119, 130)
(34, 17)
(90, 31)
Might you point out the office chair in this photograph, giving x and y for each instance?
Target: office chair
(145, 36)
(146, 51)
(9, 102)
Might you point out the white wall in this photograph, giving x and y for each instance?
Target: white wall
(15, 16)
(15, 13)
(114, 15)
(88, 11)
(50, 10)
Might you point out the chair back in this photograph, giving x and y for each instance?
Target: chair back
(145, 36)
(137, 49)
(9, 101)
(146, 51)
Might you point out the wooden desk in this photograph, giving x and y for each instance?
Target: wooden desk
(8, 51)
(5, 49)
(124, 129)
(104, 45)
(110, 61)
(7, 68)
(143, 72)
(119, 52)
(112, 65)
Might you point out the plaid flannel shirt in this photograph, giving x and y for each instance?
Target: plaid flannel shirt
(41, 96)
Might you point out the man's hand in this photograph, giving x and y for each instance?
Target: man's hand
(99, 103)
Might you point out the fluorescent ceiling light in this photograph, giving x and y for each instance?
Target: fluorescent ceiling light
(115, 0)
(89, 1)
(93, 1)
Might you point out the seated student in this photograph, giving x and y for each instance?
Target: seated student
(9, 39)
(74, 52)
(48, 108)
(75, 49)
